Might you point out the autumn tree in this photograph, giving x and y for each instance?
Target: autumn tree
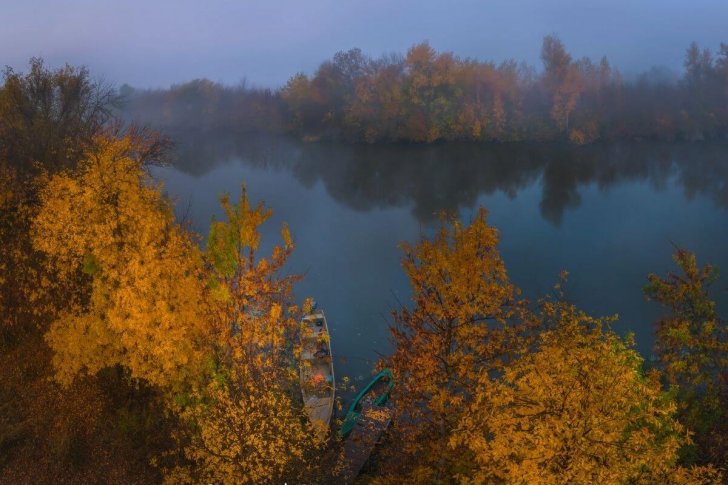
(213, 332)
(692, 350)
(431, 93)
(333, 87)
(471, 117)
(248, 432)
(246, 425)
(47, 119)
(705, 93)
(302, 112)
(25, 305)
(108, 223)
(562, 80)
(460, 324)
(377, 107)
(50, 117)
(577, 409)
(600, 89)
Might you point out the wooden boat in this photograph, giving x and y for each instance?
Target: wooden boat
(317, 370)
(362, 440)
(374, 395)
(369, 416)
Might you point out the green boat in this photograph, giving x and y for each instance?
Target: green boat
(374, 395)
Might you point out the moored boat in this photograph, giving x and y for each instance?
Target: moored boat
(317, 370)
(368, 418)
(373, 395)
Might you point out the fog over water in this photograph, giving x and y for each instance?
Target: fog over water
(154, 44)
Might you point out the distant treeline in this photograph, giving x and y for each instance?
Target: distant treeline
(427, 96)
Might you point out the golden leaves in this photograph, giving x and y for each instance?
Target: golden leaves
(575, 410)
(250, 434)
(110, 221)
(460, 325)
(212, 336)
(488, 392)
(245, 426)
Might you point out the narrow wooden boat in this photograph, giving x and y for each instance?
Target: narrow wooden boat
(373, 395)
(317, 370)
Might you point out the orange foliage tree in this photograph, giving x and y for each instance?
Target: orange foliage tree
(460, 325)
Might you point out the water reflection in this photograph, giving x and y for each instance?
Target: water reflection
(454, 176)
(605, 213)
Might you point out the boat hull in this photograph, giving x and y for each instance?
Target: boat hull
(317, 370)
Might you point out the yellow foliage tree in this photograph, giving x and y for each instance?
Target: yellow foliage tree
(247, 425)
(246, 431)
(462, 323)
(578, 409)
(252, 298)
(144, 311)
(215, 336)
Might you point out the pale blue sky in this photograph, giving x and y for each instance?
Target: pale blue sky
(154, 43)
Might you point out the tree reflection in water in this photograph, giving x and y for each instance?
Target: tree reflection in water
(451, 176)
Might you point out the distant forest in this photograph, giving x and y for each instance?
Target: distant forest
(428, 96)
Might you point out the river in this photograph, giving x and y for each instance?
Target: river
(608, 214)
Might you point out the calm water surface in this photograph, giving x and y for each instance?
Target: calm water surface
(607, 214)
